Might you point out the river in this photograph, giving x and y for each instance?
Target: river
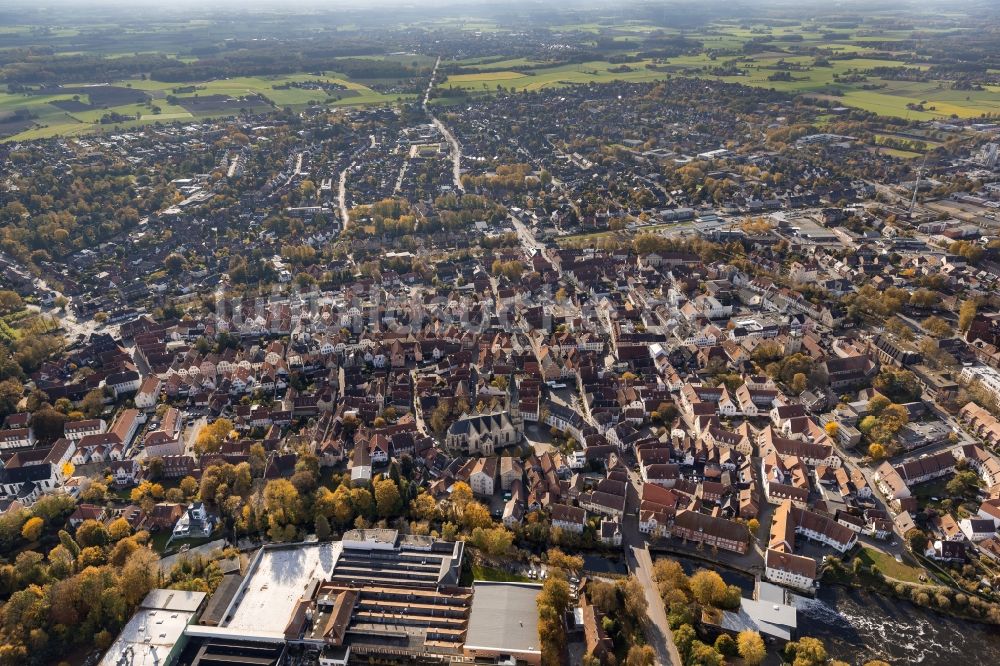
(857, 626)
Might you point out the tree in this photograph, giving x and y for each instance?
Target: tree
(708, 588)
(603, 595)
(48, 424)
(807, 651)
(555, 593)
(633, 598)
(832, 429)
(494, 541)
(937, 327)
(69, 543)
(387, 499)
(11, 392)
(876, 451)
(449, 531)
(154, 468)
(476, 515)
(119, 529)
(725, 645)
(889, 422)
(439, 418)
(173, 263)
(362, 502)
(93, 403)
(212, 436)
(53, 508)
(139, 575)
(751, 647)
(972, 252)
(799, 383)
(557, 559)
(963, 484)
(461, 495)
(670, 578)
(322, 526)
(283, 505)
(10, 301)
(967, 314)
(684, 637)
(91, 533)
(640, 655)
(897, 385)
(32, 529)
(552, 601)
(704, 655)
(917, 540)
(423, 507)
(189, 486)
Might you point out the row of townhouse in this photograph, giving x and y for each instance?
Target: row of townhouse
(895, 481)
(782, 564)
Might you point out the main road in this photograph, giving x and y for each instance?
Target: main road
(528, 240)
(345, 216)
(456, 150)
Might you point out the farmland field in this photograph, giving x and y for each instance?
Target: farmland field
(59, 114)
(844, 78)
(866, 67)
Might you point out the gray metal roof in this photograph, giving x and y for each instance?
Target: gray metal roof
(504, 617)
(173, 600)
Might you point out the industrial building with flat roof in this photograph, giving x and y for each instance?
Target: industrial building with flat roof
(376, 594)
(155, 634)
(503, 624)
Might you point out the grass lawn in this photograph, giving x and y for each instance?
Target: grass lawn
(901, 154)
(888, 565)
(936, 488)
(159, 542)
(480, 572)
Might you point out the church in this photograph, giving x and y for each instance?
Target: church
(482, 434)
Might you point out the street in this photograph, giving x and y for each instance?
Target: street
(456, 150)
(657, 629)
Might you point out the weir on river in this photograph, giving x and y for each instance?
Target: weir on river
(858, 626)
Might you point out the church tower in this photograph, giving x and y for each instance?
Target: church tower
(514, 406)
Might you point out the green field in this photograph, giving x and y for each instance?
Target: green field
(723, 48)
(587, 72)
(938, 99)
(780, 46)
(52, 121)
(888, 565)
